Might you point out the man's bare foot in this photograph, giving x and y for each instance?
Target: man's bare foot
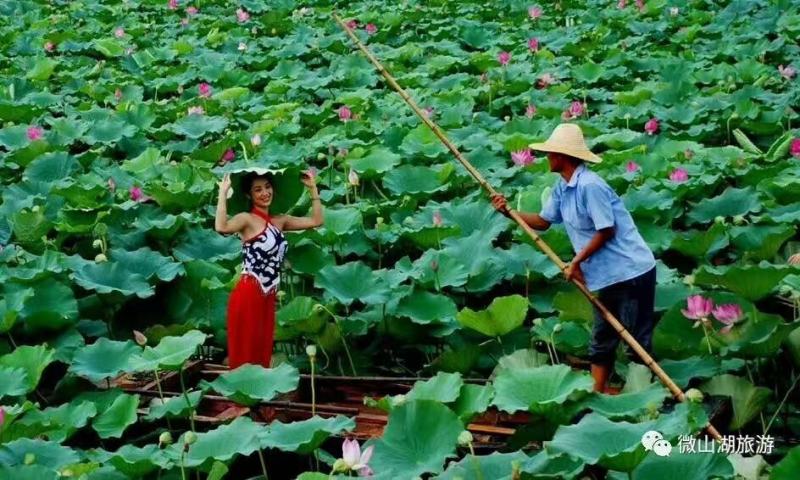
(612, 391)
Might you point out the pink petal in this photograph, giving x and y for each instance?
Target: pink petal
(351, 451)
(366, 455)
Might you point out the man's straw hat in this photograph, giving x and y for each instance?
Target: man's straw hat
(567, 138)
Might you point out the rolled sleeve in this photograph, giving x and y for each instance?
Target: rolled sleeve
(599, 206)
(551, 211)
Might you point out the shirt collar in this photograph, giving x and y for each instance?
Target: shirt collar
(574, 180)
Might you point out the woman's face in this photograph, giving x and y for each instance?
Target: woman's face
(261, 193)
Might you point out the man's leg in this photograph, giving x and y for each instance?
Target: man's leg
(644, 322)
(602, 350)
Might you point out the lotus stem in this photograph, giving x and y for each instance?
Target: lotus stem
(186, 397)
(313, 389)
(161, 394)
(553, 344)
(475, 462)
(780, 405)
(244, 151)
(705, 332)
(183, 471)
(263, 464)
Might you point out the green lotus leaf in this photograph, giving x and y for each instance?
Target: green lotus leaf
(408, 179)
(544, 466)
(205, 244)
(13, 382)
(538, 389)
(108, 130)
(133, 461)
(32, 359)
(230, 94)
(759, 242)
(752, 282)
(171, 352)
(64, 131)
(47, 454)
(628, 405)
(496, 466)
(732, 202)
(56, 423)
(28, 472)
(304, 437)
(309, 258)
(502, 316)
(341, 221)
(520, 359)
(240, 437)
(120, 415)
(110, 277)
(195, 126)
(353, 281)
(701, 244)
(378, 160)
(302, 315)
(250, 384)
(472, 400)
(52, 307)
(29, 227)
(787, 468)
(52, 167)
(14, 138)
(147, 263)
(424, 307)
(422, 141)
(682, 371)
(175, 407)
(444, 387)
(110, 47)
(747, 399)
(104, 358)
(573, 305)
(689, 466)
(419, 437)
(12, 303)
(759, 336)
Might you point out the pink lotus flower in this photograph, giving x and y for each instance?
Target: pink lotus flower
(679, 175)
(631, 167)
(546, 80)
(651, 127)
(535, 12)
(49, 46)
(504, 58)
(575, 109)
(192, 10)
(204, 89)
(352, 24)
(437, 218)
(228, 156)
(35, 133)
(786, 72)
(172, 4)
(371, 29)
(345, 113)
(621, 4)
(533, 44)
(428, 111)
(242, 15)
(698, 307)
(354, 459)
(312, 172)
(112, 185)
(137, 195)
(2, 416)
(530, 111)
(640, 4)
(118, 94)
(352, 178)
(255, 140)
(728, 314)
(119, 32)
(196, 111)
(794, 147)
(523, 158)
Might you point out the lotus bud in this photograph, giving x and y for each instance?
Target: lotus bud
(67, 472)
(688, 280)
(35, 209)
(189, 438)
(165, 439)
(311, 351)
(738, 219)
(557, 328)
(274, 31)
(398, 400)
(280, 295)
(627, 116)
(538, 322)
(720, 220)
(29, 459)
(320, 156)
(694, 395)
(506, 118)
(340, 466)
(785, 290)
(97, 243)
(318, 308)
(464, 438)
(379, 221)
(100, 258)
(141, 340)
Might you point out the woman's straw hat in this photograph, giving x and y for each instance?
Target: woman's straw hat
(567, 138)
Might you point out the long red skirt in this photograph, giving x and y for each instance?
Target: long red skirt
(251, 324)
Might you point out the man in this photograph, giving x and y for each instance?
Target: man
(611, 256)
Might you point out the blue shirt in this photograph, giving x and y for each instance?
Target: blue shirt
(587, 204)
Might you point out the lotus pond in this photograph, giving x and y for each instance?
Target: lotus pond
(118, 117)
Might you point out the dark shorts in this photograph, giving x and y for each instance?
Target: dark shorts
(632, 302)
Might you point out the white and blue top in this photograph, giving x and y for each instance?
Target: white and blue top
(263, 255)
(587, 204)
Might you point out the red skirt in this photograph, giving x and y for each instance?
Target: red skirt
(251, 324)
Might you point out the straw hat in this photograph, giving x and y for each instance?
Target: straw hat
(285, 181)
(567, 138)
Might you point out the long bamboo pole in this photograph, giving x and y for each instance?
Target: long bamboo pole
(626, 336)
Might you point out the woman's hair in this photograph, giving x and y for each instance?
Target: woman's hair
(249, 178)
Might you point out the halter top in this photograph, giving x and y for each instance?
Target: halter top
(263, 254)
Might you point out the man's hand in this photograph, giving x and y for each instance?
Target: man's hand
(499, 203)
(573, 271)
(794, 259)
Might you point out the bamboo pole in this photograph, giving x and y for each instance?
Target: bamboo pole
(607, 315)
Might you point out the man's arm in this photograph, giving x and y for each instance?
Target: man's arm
(596, 243)
(534, 220)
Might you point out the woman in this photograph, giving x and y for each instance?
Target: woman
(251, 308)
(611, 256)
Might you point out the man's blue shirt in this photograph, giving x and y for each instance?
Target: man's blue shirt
(587, 204)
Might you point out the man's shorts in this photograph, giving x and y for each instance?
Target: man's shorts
(632, 302)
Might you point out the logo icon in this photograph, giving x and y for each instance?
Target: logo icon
(654, 441)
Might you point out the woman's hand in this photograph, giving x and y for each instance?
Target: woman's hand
(499, 203)
(225, 184)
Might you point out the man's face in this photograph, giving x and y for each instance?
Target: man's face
(556, 161)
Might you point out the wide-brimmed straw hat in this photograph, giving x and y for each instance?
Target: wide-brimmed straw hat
(285, 182)
(567, 138)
